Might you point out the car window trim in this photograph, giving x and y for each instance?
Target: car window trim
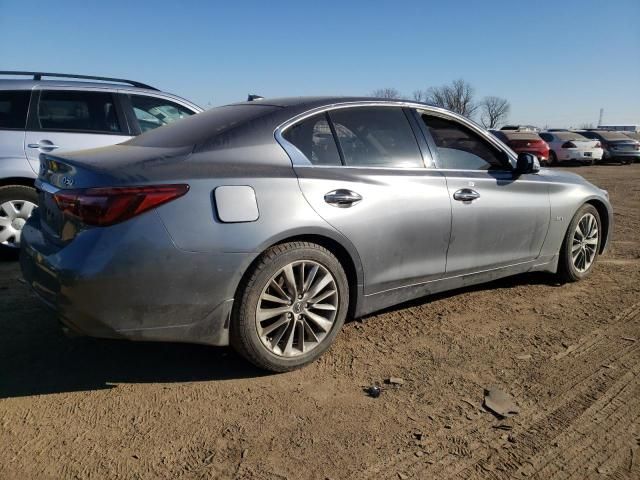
(336, 141)
(33, 125)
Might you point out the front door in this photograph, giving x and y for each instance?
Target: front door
(498, 219)
(65, 120)
(373, 187)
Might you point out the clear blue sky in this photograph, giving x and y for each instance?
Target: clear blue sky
(556, 62)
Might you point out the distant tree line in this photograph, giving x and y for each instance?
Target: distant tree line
(459, 97)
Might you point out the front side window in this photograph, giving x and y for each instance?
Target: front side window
(153, 112)
(376, 137)
(314, 139)
(68, 111)
(459, 148)
(13, 109)
(547, 137)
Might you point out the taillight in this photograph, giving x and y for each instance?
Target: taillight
(568, 145)
(598, 145)
(108, 205)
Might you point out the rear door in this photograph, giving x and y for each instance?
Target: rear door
(498, 219)
(373, 187)
(64, 119)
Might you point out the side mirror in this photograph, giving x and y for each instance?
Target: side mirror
(527, 163)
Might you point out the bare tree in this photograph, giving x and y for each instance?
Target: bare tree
(386, 93)
(494, 111)
(457, 97)
(585, 126)
(419, 95)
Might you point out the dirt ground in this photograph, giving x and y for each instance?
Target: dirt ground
(568, 354)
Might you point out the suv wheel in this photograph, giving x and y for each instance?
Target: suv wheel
(16, 205)
(291, 307)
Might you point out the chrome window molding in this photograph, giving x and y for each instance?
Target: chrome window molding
(299, 159)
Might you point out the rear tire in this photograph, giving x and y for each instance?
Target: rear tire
(287, 279)
(16, 204)
(581, 245)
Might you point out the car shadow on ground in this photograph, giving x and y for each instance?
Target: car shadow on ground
(37, 358)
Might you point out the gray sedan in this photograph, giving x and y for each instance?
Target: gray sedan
(265, 224)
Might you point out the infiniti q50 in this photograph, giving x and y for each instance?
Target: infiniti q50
(265, 224)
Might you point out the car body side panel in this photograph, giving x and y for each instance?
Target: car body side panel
(400, 227)
(13, 160)
(567, 193)
(506, 225)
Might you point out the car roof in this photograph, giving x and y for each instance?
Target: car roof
(322, 101)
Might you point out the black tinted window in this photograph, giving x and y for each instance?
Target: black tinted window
(314, 139)
(13, 108)
(547, 137)
(376, 136)
(78, 111)
(154, 112)
(459, 148)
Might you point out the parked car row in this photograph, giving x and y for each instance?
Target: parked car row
(557, 145)
(70, 112)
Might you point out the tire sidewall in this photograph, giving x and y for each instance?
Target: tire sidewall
(569, 268)
(245, 317)
(20, 193)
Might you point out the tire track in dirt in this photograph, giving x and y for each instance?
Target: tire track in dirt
(466, 452)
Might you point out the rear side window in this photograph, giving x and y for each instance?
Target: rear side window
(314, 139)
(154, 112)
(376, 137)
(67, 111)
(547, 137)
(459, 148)
(13, 109)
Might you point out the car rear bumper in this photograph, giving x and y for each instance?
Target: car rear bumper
(129, 281)
(579, 155)
(633, 155)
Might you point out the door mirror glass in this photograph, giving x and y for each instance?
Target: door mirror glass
(527, 163)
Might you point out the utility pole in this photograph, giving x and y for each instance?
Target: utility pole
(600, 118)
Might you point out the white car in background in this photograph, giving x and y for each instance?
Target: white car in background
(572, 147)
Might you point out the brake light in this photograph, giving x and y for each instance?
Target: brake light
(598, 145)
(108, 205)
(568, 145)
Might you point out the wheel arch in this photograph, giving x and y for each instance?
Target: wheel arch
(603, 212)
(18, 181)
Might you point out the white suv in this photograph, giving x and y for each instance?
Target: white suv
(67, 112)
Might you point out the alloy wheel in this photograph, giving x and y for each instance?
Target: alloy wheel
(585, 243)
(297, 308)
(13, 216)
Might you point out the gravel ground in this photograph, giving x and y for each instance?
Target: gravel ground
(568, 354)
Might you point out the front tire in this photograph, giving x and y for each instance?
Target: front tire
(581, 245)
(292, 304)
(553, 158)
(17, 202)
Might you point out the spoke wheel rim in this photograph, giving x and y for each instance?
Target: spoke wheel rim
(584, 244)
(13, 215)
(297, 308)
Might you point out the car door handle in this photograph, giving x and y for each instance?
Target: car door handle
(466, 195)
(49, 146)
(342, 198)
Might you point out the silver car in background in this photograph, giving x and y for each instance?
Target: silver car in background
(59, 112)
(265, 224)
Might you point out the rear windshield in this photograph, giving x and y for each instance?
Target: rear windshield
(566, 136)
(202, 127)
(13, 109)
(521, 135)
(613, 136)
